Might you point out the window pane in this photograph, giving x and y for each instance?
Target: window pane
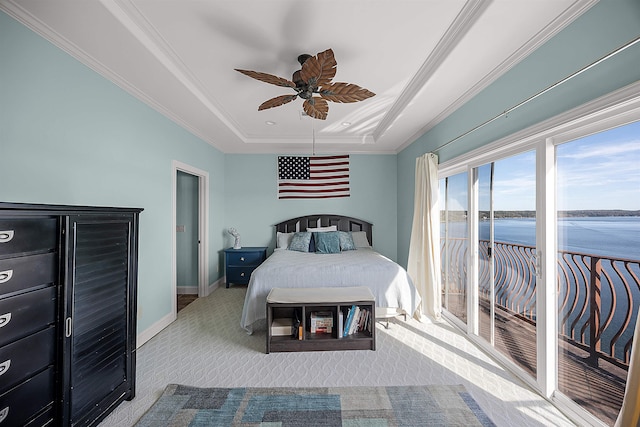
(485, 264)
(506, 258)
(598, 187)
(454, 244)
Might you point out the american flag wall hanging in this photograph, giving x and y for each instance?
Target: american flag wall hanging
(315, 177)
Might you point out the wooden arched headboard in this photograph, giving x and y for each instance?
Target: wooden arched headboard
(343, 223)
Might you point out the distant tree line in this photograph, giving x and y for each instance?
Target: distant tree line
(462, 215)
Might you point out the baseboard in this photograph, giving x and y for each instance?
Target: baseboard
(154, 329)
(187, 290)
(215, 285)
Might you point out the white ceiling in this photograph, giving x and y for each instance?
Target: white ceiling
(422, 58)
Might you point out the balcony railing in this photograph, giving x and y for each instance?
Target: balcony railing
(597, 296)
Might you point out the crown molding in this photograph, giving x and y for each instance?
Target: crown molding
(135, 22)
(16, 11)
(465, 19)
(571, 14)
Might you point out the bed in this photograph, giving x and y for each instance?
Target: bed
(356, 264)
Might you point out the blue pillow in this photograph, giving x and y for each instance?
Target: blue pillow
(327, 242)
(300, 242)
(312, 243)
(346, 241)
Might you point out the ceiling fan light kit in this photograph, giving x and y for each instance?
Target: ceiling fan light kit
(313, 83)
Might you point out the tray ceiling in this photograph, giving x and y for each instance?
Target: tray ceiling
(423, 59)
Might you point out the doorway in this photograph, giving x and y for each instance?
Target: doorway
(187, 238)
(190, 231)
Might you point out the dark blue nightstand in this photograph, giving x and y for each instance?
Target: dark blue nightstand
(240, 263)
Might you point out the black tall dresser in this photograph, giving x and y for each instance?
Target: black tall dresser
(68, 278)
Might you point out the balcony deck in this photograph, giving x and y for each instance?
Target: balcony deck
(600, 389)
(597, 297)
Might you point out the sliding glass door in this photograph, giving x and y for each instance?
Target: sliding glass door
(486, 270)
(454, 234)
(541, 260)
(598, 231)
(506, 258)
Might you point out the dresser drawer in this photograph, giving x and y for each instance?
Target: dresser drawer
(45, 419)
(239, 274)
(24, 314)
(27, 399)
(21, 359)
(27, 235)
(245, 258)
(25, 272)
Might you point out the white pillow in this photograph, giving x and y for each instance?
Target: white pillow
(283, 239)
(323, 229)
(360, 239)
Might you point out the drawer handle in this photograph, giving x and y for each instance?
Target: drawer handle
(4, 319)
(6, 236)
(4, 366)
(242, 274)
(5, 276)
(242, 258)
(68, 324)
(4, 413)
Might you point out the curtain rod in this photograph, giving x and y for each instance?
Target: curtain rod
(547, 89)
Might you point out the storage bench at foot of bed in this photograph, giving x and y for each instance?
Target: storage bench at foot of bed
(320, 319)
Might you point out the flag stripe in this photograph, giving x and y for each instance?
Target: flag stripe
(315, 196)
(312, 184)
(313, 177)
(307, 191)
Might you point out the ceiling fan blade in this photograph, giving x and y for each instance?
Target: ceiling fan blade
(344, 92)
(277, 101)
(319, 69)
(316, 107)
(268, 78)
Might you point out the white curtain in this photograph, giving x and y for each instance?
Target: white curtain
(630, 412)
(424, 251)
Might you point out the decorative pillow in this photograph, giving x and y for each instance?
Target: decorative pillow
(300, 242)
(323, 229)
(360, 239)
(312, 245)
(327, 242)
(283, 239)
(346, 241)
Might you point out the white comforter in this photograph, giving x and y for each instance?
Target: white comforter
(389, 283)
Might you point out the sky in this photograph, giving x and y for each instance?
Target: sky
(600, 171)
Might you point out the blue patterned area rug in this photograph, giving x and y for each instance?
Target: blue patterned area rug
(434, 405)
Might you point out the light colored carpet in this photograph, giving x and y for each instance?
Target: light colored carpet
(206, 347)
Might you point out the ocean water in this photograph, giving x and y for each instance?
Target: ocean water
(614, 237)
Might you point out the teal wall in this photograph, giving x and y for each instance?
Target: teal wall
(606, 26)
(69, 136)
(253, 208)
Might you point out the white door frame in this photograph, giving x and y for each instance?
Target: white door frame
(203, 229)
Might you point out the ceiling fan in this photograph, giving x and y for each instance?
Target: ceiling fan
(313, 84)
